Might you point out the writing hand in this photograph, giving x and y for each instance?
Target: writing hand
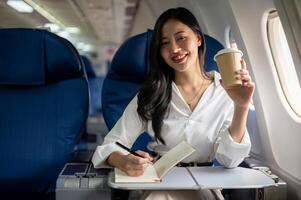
(135, 165)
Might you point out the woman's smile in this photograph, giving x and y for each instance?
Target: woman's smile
(179, 58)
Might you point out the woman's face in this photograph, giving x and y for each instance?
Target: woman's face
(179, 46)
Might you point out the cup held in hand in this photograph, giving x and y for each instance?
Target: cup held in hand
(228, 61)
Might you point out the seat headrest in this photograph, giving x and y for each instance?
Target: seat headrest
(36, 57)
(212, 47)
(88, 67)
(131, 62)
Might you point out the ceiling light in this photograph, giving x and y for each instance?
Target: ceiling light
(53, 27)
(20, 6)
(87, 48)
(84, 47)
(73, 30)
(44, 13)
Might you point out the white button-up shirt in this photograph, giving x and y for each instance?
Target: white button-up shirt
(205, 128)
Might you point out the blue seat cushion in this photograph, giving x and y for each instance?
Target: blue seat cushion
(43, 136)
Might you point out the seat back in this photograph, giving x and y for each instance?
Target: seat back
(43, 104)
(129, 69)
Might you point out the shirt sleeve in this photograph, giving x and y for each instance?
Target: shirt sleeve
(228, 152)
(126, 130)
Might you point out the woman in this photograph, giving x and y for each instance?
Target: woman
(180, 101)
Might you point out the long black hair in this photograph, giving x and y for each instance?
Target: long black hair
(155, 95)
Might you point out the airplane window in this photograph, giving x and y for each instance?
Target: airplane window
(284, 63)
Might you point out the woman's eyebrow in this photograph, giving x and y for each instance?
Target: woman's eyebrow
(179, 32)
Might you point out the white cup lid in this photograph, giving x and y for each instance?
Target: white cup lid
(227, 50)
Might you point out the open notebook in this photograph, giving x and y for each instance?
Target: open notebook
(155, 171)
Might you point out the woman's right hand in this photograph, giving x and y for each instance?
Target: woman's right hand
(132, 165)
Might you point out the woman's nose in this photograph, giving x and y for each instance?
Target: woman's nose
(174, 47)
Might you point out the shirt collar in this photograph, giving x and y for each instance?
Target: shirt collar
(178, 99)
(216, 78)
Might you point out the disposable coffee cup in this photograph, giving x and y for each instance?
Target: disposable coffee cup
(228, 61)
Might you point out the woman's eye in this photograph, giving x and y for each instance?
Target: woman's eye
(164, 43)
(181, 38)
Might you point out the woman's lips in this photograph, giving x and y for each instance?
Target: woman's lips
(179, 58)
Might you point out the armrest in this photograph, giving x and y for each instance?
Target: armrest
(79, 181)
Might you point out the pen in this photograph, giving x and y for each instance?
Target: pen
(130, 151)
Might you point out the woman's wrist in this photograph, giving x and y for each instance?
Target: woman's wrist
(241, 107)
(238, 125)
(115, 159)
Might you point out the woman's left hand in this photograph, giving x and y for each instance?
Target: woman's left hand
(242, 95)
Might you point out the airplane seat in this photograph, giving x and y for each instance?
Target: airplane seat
(129, 69)
(44, 101)
(212, 47)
